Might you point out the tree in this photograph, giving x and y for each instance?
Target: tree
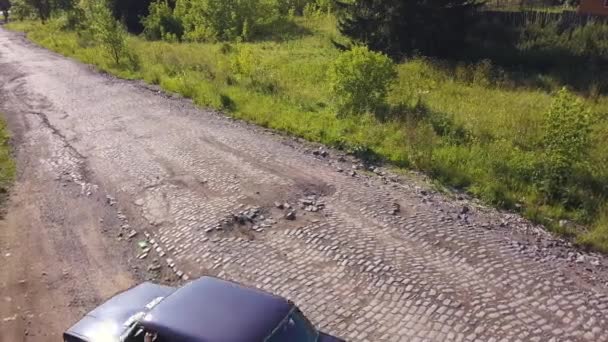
(161, 23)
(130, 12)
(41, 7)
(5, 5)
(406, 27)
(106, 29)
(221, 20)
(20, 9)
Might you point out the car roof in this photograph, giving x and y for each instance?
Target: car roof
(215, 310)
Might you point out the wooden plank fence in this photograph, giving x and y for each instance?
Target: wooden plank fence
(565, 20)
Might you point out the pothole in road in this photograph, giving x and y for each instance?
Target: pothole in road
(298, 210)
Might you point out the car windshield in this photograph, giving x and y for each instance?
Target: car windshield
(295, 328)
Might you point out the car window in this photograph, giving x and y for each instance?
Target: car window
(295, 328)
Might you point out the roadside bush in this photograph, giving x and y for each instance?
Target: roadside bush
(21, 10)
(359, 81)
(567, 144)
(222, 20)
(286, 7)
(161, 23)
(108, 31)
(318, 7)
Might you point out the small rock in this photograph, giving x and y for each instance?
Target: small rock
(339, 169)
(580, 259)
(139, 202)
(465, 210)
(306, 201)
(132, 234)
(143, 256)
(396, 209)
(353, 173)
(154, 267)
(279, 205)
(291, 215)
(595, 262)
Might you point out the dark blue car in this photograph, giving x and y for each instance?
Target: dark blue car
(205, 310)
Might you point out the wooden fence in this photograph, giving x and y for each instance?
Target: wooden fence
(565, 19)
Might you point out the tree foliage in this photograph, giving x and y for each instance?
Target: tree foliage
(161, 23)
(5, 5)
(108, 31)
(359, 80)
(407, 27)
(41, 7)
(221, 20)
(567, 143)
(130, 12)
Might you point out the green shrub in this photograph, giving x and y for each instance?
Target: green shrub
(161, 23)
(221, 20)
(482, 73)
(286, 7)
(21, 10)
(108, 31)
(359, 80)
(567, 144)
(318, 7)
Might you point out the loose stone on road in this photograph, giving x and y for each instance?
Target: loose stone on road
(367, 255)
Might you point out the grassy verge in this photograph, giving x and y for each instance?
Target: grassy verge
(465, 125)
(7, 164)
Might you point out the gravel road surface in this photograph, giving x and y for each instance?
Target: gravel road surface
(120, 182)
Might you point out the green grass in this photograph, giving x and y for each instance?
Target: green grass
(7, 164)
(464, 126)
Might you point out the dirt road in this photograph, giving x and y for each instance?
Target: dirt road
(107, 164)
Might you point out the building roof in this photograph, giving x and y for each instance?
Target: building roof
(214, 310)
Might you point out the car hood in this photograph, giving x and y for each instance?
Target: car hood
(323, 337)
(109, 321)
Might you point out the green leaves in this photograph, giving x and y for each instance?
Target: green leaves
(161, 23)
(408, 27)
(108, 31)
(359, 81)
(221, 20)
(567, 143)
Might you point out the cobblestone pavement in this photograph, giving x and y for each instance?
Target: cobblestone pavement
(366, 258)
